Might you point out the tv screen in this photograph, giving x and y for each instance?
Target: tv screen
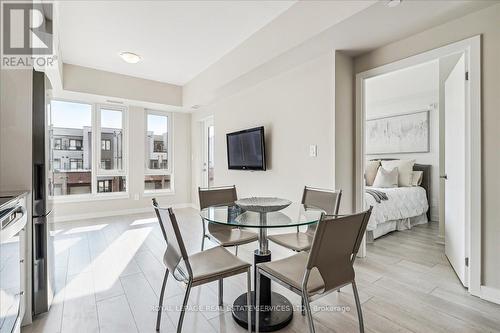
(246, 149)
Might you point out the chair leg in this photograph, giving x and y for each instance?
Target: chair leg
(221, 293)
(305, 299)
(249, 299)
(204, 234)
(236, 251)
(183, 309)
(358, 307)
(160, 305)
(257, 301)
(302, 308)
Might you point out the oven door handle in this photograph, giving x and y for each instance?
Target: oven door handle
(15, 225)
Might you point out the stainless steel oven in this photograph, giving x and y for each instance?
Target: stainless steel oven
(13, 221)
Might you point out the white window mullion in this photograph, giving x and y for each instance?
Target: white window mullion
(96, 154)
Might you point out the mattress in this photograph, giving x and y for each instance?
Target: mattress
(403, 203)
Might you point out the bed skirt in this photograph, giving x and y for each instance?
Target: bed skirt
(393, 225)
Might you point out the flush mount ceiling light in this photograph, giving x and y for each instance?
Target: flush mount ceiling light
(393, 3)
(130, 57)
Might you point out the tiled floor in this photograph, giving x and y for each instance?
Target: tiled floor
(109, 274)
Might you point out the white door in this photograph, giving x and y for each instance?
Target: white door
(454, 178)
(207, 168)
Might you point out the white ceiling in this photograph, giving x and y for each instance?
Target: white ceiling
(176, 39)
(410, 81)
(410, 89)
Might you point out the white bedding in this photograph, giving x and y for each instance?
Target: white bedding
(403, 203)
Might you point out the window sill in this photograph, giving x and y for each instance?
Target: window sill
(88, 198)
(158, 193)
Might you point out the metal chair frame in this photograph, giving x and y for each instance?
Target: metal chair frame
(187, 276)
(205, 227)
(306, 298)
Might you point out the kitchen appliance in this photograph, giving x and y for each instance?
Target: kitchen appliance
(12, 220)
(43, 253)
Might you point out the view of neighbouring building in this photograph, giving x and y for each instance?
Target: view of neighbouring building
(156, 155)
(71, 161)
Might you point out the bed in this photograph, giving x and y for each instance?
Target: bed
(404, 208)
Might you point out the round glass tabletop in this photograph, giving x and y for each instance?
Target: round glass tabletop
(296, 214)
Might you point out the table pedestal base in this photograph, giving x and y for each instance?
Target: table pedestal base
(280, 310)
(270, 321)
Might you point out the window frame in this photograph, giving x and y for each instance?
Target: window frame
(106, 141)
(100, 172)
(170, 154)
(96, 154)
(60, 144)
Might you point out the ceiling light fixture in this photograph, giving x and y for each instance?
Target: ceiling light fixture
(130, 57)
(393, 3)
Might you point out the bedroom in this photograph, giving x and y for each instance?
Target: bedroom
(408, 140)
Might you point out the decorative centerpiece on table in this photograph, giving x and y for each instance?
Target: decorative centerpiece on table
(263, 204)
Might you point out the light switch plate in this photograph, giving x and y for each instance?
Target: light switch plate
(313, 150)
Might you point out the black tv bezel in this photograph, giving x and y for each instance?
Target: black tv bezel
(263, 145)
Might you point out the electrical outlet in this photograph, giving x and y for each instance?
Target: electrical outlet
(313, 150)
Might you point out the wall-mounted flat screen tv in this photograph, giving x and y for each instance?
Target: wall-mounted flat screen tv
(246, 149)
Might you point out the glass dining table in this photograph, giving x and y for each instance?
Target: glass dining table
(276, 309)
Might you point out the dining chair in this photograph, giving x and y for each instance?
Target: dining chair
(200, 268)
(328, 266)
(327, 200)
(225, 236)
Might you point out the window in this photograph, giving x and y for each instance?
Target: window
(56, 164)
(111, 172)
(105, 144)
(104, 186)
(106, 164)
(75, 167)
(111, 184)
(70, 129)
(75, 164)
(58, 144)
(158, 182)
(75, 144)
(158, 161)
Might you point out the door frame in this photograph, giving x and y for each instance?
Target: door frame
(471, 47)
(205, 123)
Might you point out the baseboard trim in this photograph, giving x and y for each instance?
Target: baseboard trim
(490, 294)
(94, 215)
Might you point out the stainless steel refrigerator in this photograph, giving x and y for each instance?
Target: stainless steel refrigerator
(43, 247)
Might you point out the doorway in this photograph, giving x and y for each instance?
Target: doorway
(208, 151)
(462, 236)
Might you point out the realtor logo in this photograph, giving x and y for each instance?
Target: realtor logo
(27, 37)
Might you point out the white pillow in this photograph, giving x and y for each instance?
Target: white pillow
(386, 178)
(371, 172)
(405, 170)
(417, 178)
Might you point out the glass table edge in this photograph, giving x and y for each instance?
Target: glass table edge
(295, 224)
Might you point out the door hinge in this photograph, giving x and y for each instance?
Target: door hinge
(466, 76)
(467, 262)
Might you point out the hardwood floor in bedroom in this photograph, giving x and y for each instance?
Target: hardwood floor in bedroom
(109, 273)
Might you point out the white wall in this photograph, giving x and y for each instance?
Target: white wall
(93, 81)
(296, 109)
(344, 131)
(404, 91)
